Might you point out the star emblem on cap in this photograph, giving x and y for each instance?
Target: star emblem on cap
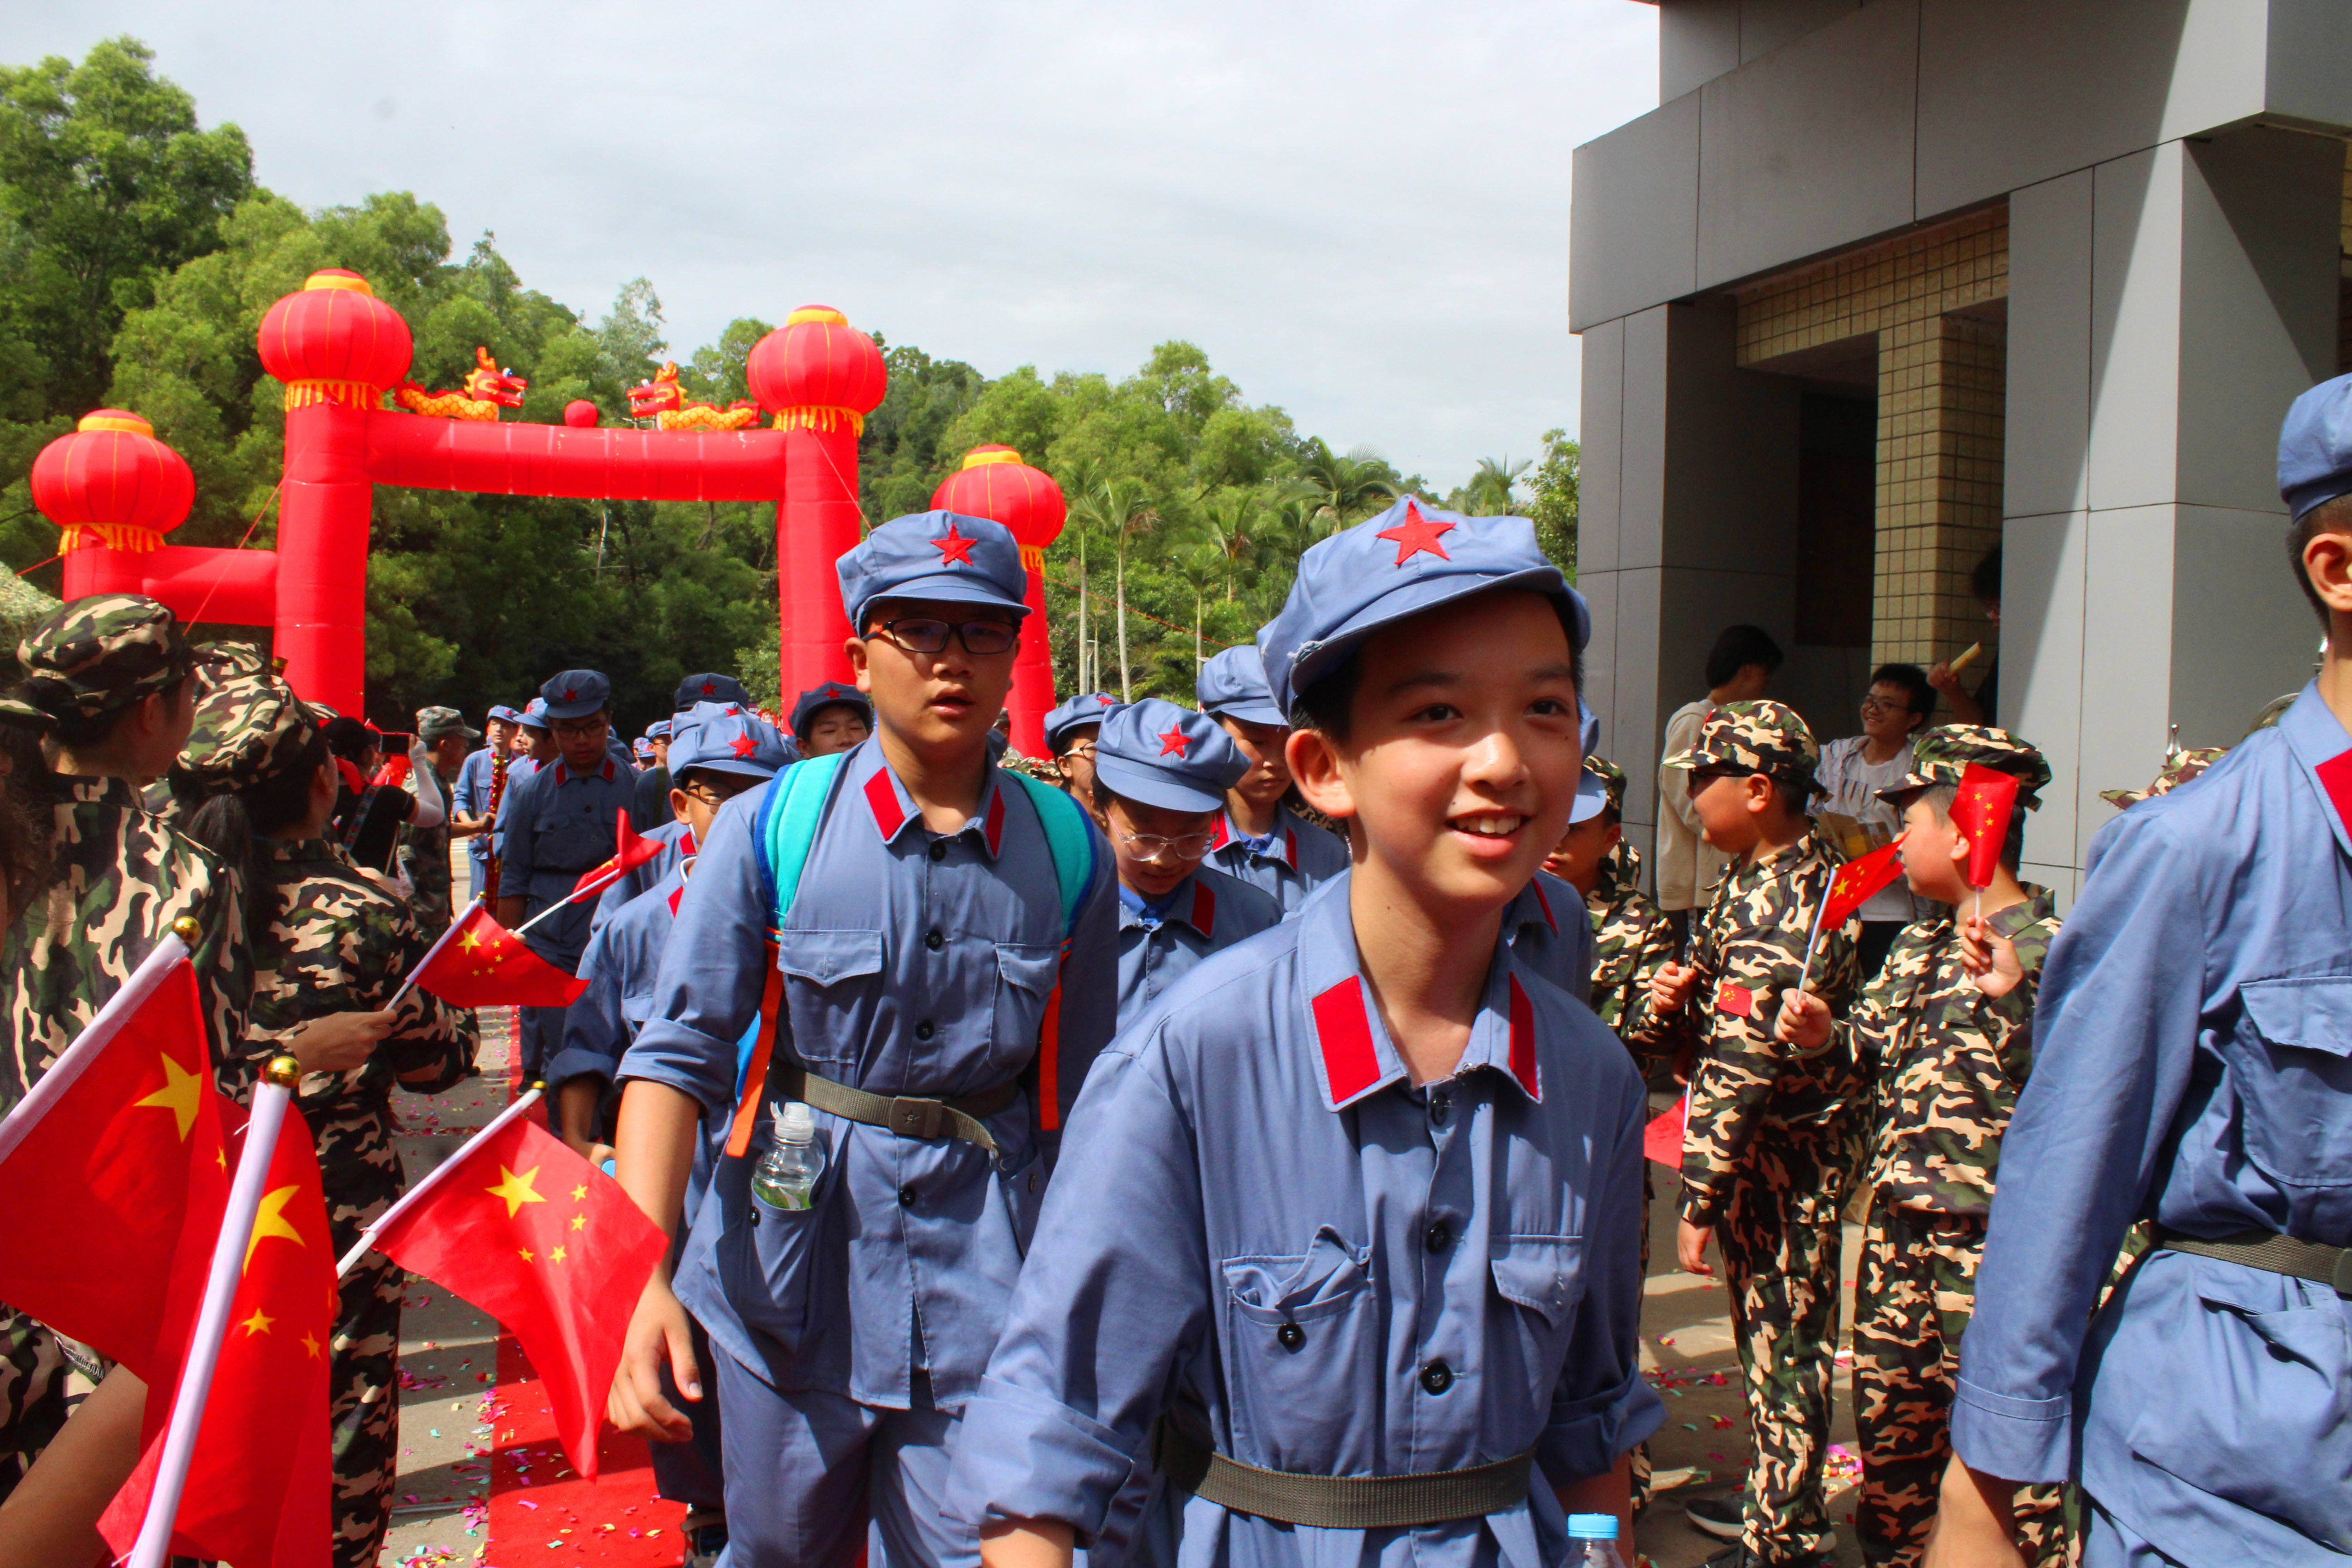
(1415, 535)
(742, 745)
(954, 547)
(710, 688)
(1173, 742)
(566, 695)
(1106, 699)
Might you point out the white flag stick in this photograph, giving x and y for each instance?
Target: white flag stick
(103, 1027)
(1814, 940)
(573, 898)
(367, 1237)
(269, 1101)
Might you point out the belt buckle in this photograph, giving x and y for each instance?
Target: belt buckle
(915, 1117)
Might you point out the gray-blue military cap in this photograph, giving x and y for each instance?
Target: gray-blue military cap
(942, 555)
(575, 693)
(832, 693)
(534, 714)
(708, 687)
(2315, 461)
(1411, 558)
(1159, 755)
(657, 730)
(1231, 685)
(1090, 707)
(722, 737)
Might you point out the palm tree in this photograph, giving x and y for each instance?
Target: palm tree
(1489, 493)
(1121, 511)
(1345, 487)
(1224, 528)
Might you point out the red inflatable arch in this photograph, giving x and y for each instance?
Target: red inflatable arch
(116, 490)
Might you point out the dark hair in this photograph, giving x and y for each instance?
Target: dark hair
(2331, 516)
(233, 824)
(1735, 649)
(350, 739)
(76, 730)
(1064, 737)
(732, 785)
(1328, 705)
(1918, 695)
(2013, 847)
(1985, 580)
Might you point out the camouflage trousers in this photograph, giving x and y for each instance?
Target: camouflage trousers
(43, 1378)
(1780, 1245)
(1916, 1294)
(360, 1171)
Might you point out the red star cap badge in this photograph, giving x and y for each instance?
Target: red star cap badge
(1415, 534)
(1106, 699)
(954, 547)
(742, 745)
(710, 688)
(566, 696)
(1173, 740)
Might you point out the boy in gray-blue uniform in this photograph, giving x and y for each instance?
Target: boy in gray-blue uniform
(847, 716)
(471, 794)
(2192, 1067)
(1161, 776)
(561, 819)
(939, 1005)
(1349, 1251)
(1071, 730)
(1287, 855)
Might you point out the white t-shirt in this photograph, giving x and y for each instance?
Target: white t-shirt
(1849, 785)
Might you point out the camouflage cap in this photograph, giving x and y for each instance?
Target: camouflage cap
(1942, 754)
(2179, 767)
(1612, 780)
(249, 730)
(228, 658)
(432, 723)
(1758, 737)
(100, 653)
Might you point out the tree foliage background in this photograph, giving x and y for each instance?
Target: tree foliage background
(138, 255)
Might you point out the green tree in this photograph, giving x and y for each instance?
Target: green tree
(1551, 505)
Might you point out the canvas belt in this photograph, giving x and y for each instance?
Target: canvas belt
(1338, 1502)
(2272, 1254)
(908, 1115)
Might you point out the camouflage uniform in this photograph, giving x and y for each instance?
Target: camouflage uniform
(2179, 767)
(340, 940)
(1775, 1134)
(1949, 1061)
(117, 880)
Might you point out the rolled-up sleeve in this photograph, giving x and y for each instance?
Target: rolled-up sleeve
(707, 993)
(1602, 1405)
(1113, 1299)
(2116, 1035)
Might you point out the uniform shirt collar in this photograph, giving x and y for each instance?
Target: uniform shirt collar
(1279, 842)
(2317, 738)
(1193, 901)
(1533, 906)
(1357, 1058)
(890, 809)
(564, 776)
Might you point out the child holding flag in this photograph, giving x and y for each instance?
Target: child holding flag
(1948, 1023)
(1773, 1133)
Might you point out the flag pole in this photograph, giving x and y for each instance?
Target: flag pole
(572, 898)
(408, 982)
(367, 1237)
(270, 1098)
(1814, 940)
(103, 1025)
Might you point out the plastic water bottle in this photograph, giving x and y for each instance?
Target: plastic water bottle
(787, 1176)
(1592, 1541)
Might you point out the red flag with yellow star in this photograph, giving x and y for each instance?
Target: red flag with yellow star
(1856, 880)
(628, 851)
(118, 1153)
(259, 1488)
(1987, 799)
(528, 1231)
(480, 964)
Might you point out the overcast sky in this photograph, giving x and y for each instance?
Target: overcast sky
(1360, 210)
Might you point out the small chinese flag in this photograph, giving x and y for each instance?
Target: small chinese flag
(480, 964)
(261, 1487)
(527, 1231)
(628, 851)
(116, 1172)
(1857, 880)
(1981, 810)
(1661, 1140)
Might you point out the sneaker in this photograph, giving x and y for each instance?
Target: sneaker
(1723, 1515)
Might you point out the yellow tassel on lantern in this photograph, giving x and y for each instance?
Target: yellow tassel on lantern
(822, 419)
(123, 536)
(350, 394)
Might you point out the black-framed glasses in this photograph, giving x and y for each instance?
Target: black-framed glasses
(1886, 705)
(1151, 845)
(710, 793)
(922, 634)
(583, 726)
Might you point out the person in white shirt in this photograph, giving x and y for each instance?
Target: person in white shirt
(1737, 671)
(1853, 771)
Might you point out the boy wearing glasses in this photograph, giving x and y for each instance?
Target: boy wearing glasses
(1774, 1133)
(1160, 777)
(938, 1006)
(1071, 734)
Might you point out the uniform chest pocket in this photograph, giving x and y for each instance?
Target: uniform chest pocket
(1301, 1346)
(1541, 1281)
(2293, 1065)
(838, 969)
(1026, 974)
(570, 841)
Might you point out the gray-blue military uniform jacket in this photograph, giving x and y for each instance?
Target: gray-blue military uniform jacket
(1208, 912)
(1560, 951)
(1291, 860)
(913, 963)
(471, 796)
(1262, 1220)
(559, 824)
(622, 962)
(2192, 1066)
(676, 841)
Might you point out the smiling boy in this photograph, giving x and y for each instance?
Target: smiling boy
(1357, 1207)
(944, 984)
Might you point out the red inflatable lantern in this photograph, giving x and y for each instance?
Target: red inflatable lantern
(995, 483)
(335, 342)
(112, 483)
(820, 377)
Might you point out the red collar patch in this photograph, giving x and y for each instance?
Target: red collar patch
(1222, 835)
(1543, 903)
(1351, 1063)
(884, 799)
(993, 828)
(1416, 535)
(954, 547)
(1523, 1043)
(1205, 907)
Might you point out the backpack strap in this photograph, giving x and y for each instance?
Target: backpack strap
(785, 826)
(1070, 839)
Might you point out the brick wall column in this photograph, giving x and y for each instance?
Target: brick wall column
(1940, 391)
